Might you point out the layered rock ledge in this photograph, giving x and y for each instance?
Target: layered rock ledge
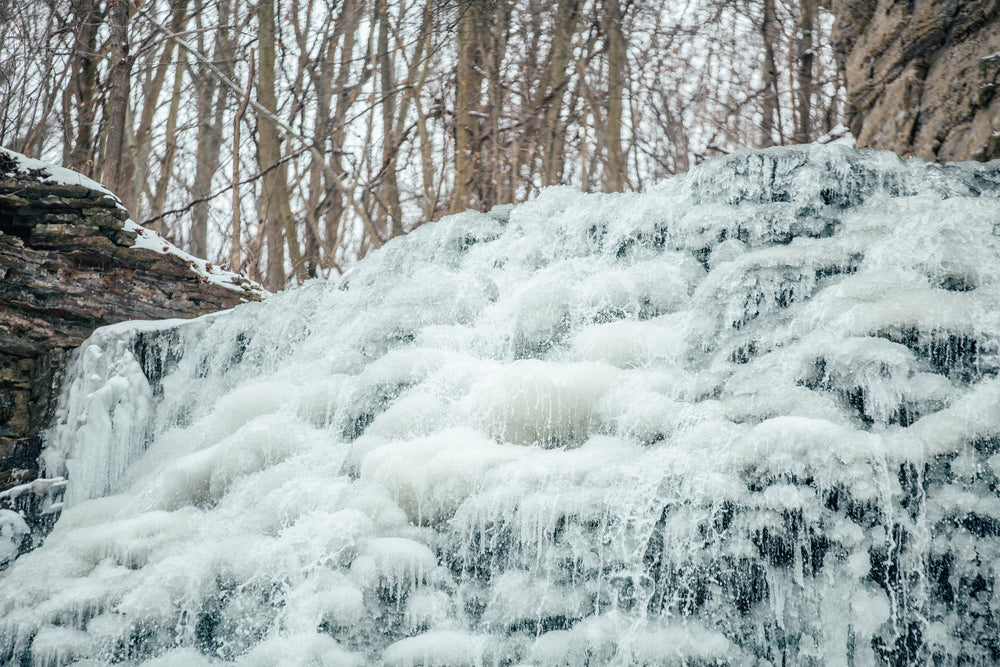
(922, 77)
(72, 261)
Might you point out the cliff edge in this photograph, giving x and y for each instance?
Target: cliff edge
(71, 261)
(922, 77)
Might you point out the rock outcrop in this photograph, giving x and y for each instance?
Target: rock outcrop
(922, 76)
(72, 261)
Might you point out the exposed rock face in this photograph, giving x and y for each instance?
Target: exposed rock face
(67, 266)
(922, 76)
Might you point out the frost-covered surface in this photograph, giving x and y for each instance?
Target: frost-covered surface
(150, 240)
(145, 238)
(13, 530)
(50, 173)
(105, 412)
(750, 417)
(41, 499)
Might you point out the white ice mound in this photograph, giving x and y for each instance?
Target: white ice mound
(751, 416)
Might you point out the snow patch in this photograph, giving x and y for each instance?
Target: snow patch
(144, 238)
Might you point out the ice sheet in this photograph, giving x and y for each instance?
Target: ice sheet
(751, 416)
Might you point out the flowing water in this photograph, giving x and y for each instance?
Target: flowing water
(749, 417)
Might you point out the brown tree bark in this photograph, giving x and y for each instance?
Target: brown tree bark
(557, 76)
(158, 224)
(335, 94)
(211, 100)
(769, 106)
(805, 57)
(80, 101)
(614, 165)
(392, 212)
(275, 206)
(310, 69)
(473, 16)
(121, 70)
(236, 240)
(136, 177)
(492, 151)
(269, 152)
(431, 190)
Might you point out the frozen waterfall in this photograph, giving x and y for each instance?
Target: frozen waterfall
(749, 417)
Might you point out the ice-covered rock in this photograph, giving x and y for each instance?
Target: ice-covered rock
(71, 261)
(751, 416)
(13, 531)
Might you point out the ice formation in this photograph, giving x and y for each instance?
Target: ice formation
(749, 417)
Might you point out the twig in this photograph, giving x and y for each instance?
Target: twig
(234, 249)
(261, 110)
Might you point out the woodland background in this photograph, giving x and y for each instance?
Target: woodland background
(287, 138)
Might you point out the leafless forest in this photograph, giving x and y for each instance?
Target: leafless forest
(287, 138)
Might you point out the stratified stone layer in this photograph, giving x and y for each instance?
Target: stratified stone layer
(67, 266)
(922, 76)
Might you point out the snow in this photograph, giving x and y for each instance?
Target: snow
(12, 531)
(595, 639)
(303, 649)
(840, 135)
(536, 402)
(58, 646)
(145, 238)
(751, 416)
(50, 173)
(442, 648)
(393, 564)
(149, 240)
(430, 477)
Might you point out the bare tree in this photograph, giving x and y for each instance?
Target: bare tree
(118, 96)
(805, 55)
(769, 113)
(276, 213)
(611, 24)
(212, 102)
(81, 98)
(471, 42)
(364, 119)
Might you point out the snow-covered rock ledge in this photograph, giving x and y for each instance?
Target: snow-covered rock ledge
(72, 188)
(71, 261)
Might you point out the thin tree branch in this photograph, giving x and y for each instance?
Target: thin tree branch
(306, 143)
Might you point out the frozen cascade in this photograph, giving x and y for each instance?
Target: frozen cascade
(750, 417)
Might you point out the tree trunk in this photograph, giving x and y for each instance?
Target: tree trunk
(159, 225)
(121, 70)
(268, 151)
(211, 99)
(431, 184)
(389, 188)
(553, 138)
(236, 242)
(804, 51)
(491, 169)
(206, 163)
(144, 128)
(769, 107)
(335, 94)
(79, 101)
(468, 100)
(615, 166)
(275, 207)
